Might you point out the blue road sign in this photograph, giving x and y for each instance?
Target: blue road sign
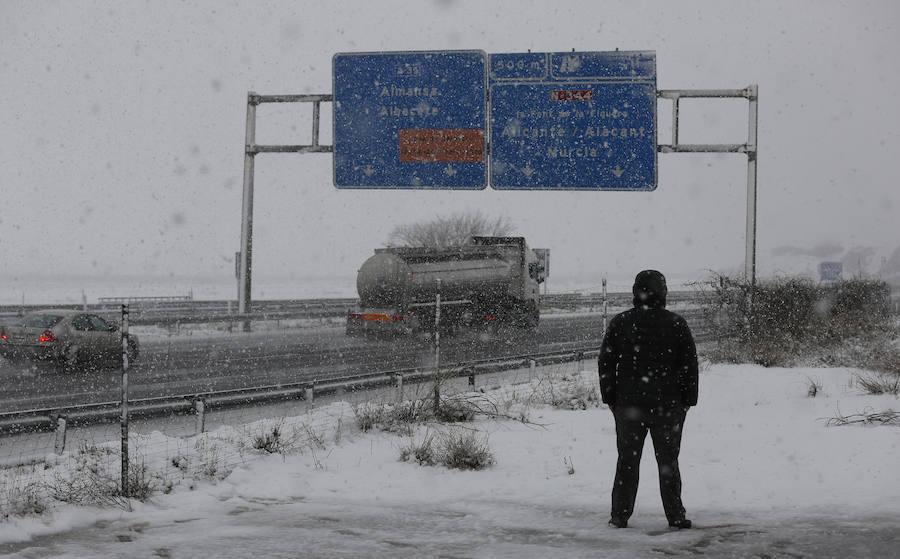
(830, 271)
(410, 120)
(573, 120)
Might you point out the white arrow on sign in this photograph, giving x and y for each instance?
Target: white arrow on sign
(449, 171)
(618, 171)
(368, 170)
(528, 171)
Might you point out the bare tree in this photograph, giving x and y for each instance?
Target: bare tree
(451, 230)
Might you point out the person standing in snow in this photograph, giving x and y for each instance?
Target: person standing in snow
(648, 378)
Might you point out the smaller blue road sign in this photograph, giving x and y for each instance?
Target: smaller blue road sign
(830, 271)
(573, 120)
(410, 120)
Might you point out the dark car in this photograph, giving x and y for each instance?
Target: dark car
(68, 338)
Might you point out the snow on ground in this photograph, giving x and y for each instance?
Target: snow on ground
(763, 476)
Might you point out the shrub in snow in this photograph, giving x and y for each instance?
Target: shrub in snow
(458, 449)
(209, 463)
(883, 354)
(401, 416)
(879, 384)
(813, 387)
(19, 498)
(367, 416)
(269, 441)
(465, 450)
(561, 390)
(773, 322)
(423, 452)
(889, 417)
(95, 479)
(391, 417)
(142, 485)
(457, 409)
(573, 392)
(282, 437)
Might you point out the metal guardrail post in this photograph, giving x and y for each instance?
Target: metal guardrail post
(398, 387)
(532, 369)
(472, 380)
(308, 395)
(200, 410)
(60, 445)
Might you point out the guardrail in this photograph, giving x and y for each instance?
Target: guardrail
(47, 418)
(164, 311)
(191, 312)
(153, 311)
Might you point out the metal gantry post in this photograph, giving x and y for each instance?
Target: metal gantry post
(750, 260)
(244, 304)
(251, 148)
(751, 93)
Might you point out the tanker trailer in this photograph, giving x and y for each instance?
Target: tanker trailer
(489, 281)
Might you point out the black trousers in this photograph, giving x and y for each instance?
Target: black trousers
(664, 425)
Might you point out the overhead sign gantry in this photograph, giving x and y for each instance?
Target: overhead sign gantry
(445, 120)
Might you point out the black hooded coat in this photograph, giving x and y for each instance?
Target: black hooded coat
(648, 356)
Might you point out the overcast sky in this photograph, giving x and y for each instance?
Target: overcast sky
(123, 130)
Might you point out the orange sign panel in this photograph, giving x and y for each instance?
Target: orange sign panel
(463, 146)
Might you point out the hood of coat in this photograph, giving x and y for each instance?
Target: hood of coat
(650, 290)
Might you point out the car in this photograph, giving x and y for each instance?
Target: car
(69, 338)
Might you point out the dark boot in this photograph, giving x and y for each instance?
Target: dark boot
(618, 522)
(680, 524)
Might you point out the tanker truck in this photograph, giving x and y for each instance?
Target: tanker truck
(490, 281)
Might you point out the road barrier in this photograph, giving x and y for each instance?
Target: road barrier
(80, 415)
(170, 310)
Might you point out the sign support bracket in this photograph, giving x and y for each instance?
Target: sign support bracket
(251, 149)
(751, 93)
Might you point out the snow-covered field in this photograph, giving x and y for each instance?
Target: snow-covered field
(764, 476)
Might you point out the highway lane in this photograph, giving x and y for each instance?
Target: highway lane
(186, 365)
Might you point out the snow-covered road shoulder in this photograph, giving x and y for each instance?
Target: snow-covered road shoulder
(761, 468)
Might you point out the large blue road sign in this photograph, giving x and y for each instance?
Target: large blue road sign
(573, 120)
(410, 120)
